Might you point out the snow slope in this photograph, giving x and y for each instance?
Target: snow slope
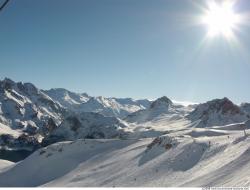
(5, 165)
(207, 157)
(114, 107)
(66, 98)
(86, 125)
(82, 102)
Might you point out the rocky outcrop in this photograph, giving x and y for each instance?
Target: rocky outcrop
(217, 112)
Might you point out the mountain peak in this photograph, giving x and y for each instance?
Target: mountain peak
(161, 101)
(217, 112)
(7, 83)
(6, 79)
(224, 106)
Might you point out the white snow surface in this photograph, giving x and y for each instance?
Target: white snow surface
(4, 129)
(5, 165)
(194, 157)
(67, 98)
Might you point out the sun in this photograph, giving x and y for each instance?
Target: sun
(220, 19)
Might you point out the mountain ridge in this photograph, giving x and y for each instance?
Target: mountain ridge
(29, 114)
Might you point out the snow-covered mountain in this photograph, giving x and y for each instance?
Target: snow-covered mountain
(160, 107)
(24, 109)
(32, 113)
(116, 107)
(66, 98)
(28, 114)
(86, 125)
(217, 112)
(112, 107)
(83, 141)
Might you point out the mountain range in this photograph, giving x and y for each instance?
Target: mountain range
(48, 122)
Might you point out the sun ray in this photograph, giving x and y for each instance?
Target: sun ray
(221, 19)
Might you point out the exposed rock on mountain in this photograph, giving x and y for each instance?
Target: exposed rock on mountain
(26, 115)
(217, 112)
(26, 111)
(245, 107)
(163, 102)
(26, 108)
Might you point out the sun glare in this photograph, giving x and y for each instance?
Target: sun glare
(221, 19)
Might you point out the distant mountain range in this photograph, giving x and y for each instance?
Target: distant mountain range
(31, 117)
(114, 107)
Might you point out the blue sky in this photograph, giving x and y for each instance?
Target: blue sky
(123, 48)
